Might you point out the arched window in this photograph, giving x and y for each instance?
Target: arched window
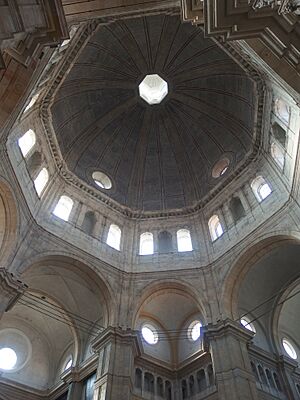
(277, 382)
(168, 390)
(260, 188)
(41, 180)
(114, 237)
(165, 242)
(192, 385)
(270, 379)
(278, 153)
(63, 208)
(31, 102)
(201, 381)
(215, 227)
(184, 389)
(146, 243)
(236, 208)
(149, 382)
(184, 241)
(26, 142)
(160, 387)
(262, 375)
(89, 222)
(279, 134)
(282, 110)
(138, 378)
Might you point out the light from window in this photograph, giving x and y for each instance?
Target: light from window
(260, 188)
(246, 324)
(102, 180)
(32, 102)
(63, 208)
(114, 237)
(149, 334)
(282, 110)
(41, 181)
(220, 168)
(278, 154)
(289, 349)
(26, 142)
(8, 358)
(215, 227)
(194, 330)
(146, 243)
(184, 241)
(68, 364)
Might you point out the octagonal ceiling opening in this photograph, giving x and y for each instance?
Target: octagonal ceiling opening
(153, 89)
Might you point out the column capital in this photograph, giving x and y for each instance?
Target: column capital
(119, 335)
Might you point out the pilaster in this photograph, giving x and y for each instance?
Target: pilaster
(227, 342)
(117, 349)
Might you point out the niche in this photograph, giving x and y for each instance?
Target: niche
(165, 242)
(236, 208)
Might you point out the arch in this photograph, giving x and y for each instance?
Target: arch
(89, 222)
(184, 241)
(160, 386)
(149, 382)
(80, 268)
(262, 375)
(201, 380)
(146, 294)
(168, 390)
(165, 242)
(237, 209)
(8, 222)
(278, 154)
(237, 273)
(215, 227)
(146, 243)
(114, 237)
(138, 378)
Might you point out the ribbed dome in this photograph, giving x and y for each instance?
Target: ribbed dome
(160, 156)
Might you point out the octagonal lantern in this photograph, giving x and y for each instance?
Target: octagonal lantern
(153, 89)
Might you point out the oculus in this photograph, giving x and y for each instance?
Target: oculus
(153, 89)
(102, 180)
(149, 334)
(8, 358)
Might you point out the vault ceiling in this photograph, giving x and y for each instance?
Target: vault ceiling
(159, 157)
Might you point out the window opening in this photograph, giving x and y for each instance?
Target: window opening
(282, 110)
(146, 243)
(184, 241)
(149, 334)
(26, 142)
(63, 208)
(246, 324)
(215, 227)
(289, 349)
(102, 180)
(237, 209)
(41, 180)
(8, 358)
(114, 237)
(278, 154)
(260, 188)
(194, 330)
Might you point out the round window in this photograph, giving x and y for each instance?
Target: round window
(246, 324)
(102, 180)
(8, 358)
(149, 334)
(220, 168)
(194, 330)
(289, 349)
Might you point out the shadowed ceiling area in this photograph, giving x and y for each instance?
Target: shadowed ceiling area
(158, 157)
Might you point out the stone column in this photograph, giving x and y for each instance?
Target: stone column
(117, 349)
(10, 290)
(227, 342)
(72, 378)
(75, 391)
